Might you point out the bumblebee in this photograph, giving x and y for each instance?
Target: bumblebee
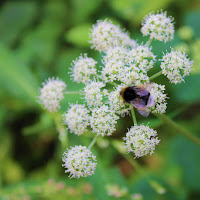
(139, 97)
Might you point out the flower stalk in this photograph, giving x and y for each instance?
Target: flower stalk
(179, 128)
(155, 75)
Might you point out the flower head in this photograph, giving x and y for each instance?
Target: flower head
(175, 65)
(93, 94)
(158, 26)
(141, 140)
(142, 57)
(114, 62)
(159, 104)
(105, 35)
(82, 68)
(52, 93)
(79, 161)
(77, 118)
(103, 120)
(128, 66)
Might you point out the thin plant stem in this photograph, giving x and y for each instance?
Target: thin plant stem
(63, 134)
(155, 75)
(149, 42)
(179, 128)
(154, 184)
(133, 116)
(93, 142)
(73, 92)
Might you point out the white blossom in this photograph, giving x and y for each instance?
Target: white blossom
(158, 97)
(103, 120)
(52, 93)
(93, 93)
(82, 68)
(114, 62)
(141, 140)
(79, 161)
(105, 35)
(77, 118)
(158, 26)
(175, 65)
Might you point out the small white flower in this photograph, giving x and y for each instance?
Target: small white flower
(103, 121)
(141, 140)
(142, 57)
(105, 35)
(158, 26)
(128, 66)
(77, 118)
(93, 94)
(79, 161)
(175, 65)
(133, 75)
(116, 103)
(137, 63)
(159, 98)
(52, 93)
(114, 62)
(83, 68)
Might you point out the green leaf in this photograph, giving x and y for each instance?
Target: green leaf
(79, 35)
(14, 18)
(192, 19)
(187, 92)
(15, 77)
(39, 46)
(185, 154)
(134, 11)
(83, 9)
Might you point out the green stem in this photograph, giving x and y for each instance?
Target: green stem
(73, 92)
(154, 184)
(93, 142)
(179, 128)
(155, 75)
(149, 42)
(133, 116)
(63, 136)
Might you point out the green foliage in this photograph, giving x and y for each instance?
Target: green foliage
(15, 77)
(73, 35)
(134, 11)
(23, 14)
(39, 39)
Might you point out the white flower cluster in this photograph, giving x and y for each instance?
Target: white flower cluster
(124, 67)
(77, 118)
(93, 94)
(105, 35)
(159, 98)
(158, 26)
(82, 68)
(79, 161)
(128, 66)
(52, 93)
(103, 120)
(141, 140)
(176, 66)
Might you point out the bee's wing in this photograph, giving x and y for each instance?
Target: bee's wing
(144, 111)
(138, 103)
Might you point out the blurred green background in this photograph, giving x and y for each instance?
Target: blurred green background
(39, 39)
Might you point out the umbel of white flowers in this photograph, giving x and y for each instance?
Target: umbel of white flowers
(123, 63)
